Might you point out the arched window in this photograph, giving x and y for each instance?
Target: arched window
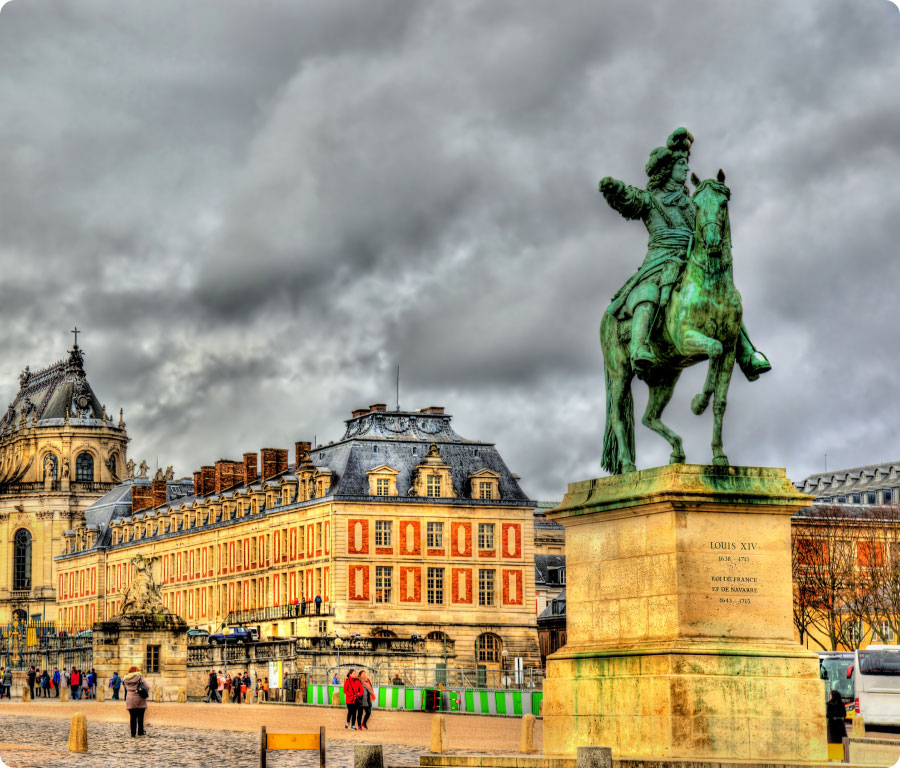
(22, 560)
(384, 633)
(51, 467)
(113, 467)
(439, 636)
(488, 647)
(84, 468)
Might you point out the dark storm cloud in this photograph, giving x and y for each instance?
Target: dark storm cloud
(256, 211)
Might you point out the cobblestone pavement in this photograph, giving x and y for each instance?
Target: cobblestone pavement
(42, 742)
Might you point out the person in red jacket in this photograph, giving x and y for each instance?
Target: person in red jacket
(353, 691)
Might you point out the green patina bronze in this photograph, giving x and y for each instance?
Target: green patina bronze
(680, 308)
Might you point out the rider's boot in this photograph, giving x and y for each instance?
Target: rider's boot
(641, 356)
(751, 361)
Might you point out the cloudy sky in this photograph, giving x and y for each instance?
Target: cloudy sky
(255, 211)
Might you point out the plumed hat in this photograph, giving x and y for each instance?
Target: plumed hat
(677, 145)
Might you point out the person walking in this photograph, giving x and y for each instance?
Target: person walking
(247, 688)
(115, 682)
(6, 680)
(303, 606)
(352, 695)
(57, 678)
(32, 677)
(45, 684)
(236, 682)
(221, 687)
(213, 685)
(74, 682)
(835, 712)
(92, 683)
(135, 703)
(318, 602)
(368, 699)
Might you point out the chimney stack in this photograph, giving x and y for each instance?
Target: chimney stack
(359, 412)
(301, 452)
(282, 459)
(377, 408)
(251, 468)
(197, 483)
(207, 480)
(141, 496)
(158, 493)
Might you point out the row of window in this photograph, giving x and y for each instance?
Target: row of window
(434, 535)
(434, 488)
(884, 496)
(434, 585)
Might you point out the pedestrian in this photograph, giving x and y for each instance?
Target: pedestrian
(213, 685)
(368, 699)
(7, 683)
(74, 682)
(32, 676)
(303, 606)
(115, 682)
(221, 688)
(318, 602)
(266, 689)
(836, 712)
(92, 683)
(334, 679)
(45, 684)
(136, 694)
(57, 678)
(296, 605)
(352, 695)
(236, 682)
(247, 687)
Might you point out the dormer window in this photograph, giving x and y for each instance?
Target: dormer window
(383, 481)
(433, 486)
(485, 485)
(382, 486)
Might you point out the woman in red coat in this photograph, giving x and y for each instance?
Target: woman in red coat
(353, 691)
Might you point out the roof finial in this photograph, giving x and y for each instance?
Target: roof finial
(76, 332)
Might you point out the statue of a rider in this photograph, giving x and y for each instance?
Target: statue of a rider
(668, 212)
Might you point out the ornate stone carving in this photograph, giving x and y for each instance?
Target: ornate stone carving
(142, 470)
(142, 595)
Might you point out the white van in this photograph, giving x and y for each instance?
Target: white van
(876, 681)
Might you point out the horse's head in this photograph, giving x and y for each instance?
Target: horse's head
(711, 201)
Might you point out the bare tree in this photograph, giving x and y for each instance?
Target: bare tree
(877, 601)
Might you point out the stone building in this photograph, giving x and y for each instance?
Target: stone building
(59, 452)
(870, 485)
(401, 528)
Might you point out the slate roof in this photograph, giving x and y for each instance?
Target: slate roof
(46, 394)
(543, 564)
(548, 614)
(827, 486)
(540, 516)
(400, 439)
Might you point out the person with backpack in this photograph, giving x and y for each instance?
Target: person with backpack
(115, 682)
(136, 694)
(352, 694)
(45, 684)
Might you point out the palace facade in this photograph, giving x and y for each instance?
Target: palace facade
(59, 452)
(400, 528)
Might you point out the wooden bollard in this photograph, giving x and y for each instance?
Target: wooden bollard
(78, 733)
(526, 744)
(438, 734)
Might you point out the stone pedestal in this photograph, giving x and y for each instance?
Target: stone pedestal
(123, 642)
(679, 614)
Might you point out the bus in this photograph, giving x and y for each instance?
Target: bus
(835, 669)
(876, 682)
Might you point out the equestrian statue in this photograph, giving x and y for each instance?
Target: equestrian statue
(680, 308)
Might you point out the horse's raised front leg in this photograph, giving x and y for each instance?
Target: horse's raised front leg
(696, 343)
(660, 393)
(723, 381)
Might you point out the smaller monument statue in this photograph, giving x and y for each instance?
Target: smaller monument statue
(142, 595)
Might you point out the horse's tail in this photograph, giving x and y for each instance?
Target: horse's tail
(611, 455)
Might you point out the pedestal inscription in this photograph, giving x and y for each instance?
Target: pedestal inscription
(680, 636)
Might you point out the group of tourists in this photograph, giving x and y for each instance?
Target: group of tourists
(359, 695)
(236, 688)
(301, 606)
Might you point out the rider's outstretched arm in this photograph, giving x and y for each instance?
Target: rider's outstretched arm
(630, 201)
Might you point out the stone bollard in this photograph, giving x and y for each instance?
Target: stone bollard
(439, 734)
(260, 696)
(368, 756)
(99, 694)
(26, 693)
(65, 693)
(593, 757)
(526, 744)
(335, 698)
(859, 727)
(182, 695)
(78, 733)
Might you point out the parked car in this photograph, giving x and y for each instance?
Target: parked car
(195, 632)
(237, 635)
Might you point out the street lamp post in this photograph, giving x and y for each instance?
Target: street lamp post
(337, 645)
